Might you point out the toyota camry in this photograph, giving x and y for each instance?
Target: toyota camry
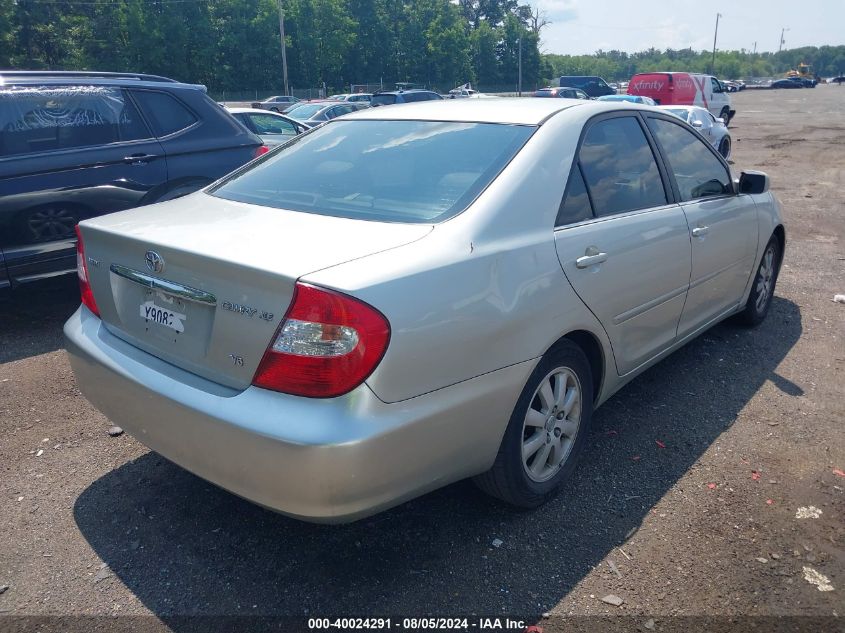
(406, 297)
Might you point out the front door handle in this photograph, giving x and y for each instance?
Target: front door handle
(591, 257)
(139, 159)
(700, 231)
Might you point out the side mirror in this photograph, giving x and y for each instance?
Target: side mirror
(753, 182)
(697, 124)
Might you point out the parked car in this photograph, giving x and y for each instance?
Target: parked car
(74, 145)
(629, 98)
(806, 82)
(406, 297)
(390, 97)
(786, 83)
(275, 104)
(316, 112)
(592, 85)
(356, 97)
(711, 128)
(684, 89)
(563, 93)
(271, 127)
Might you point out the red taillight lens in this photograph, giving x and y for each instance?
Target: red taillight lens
(260, 151)
(327, 344)
(82, 273)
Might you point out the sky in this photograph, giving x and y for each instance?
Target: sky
(581, 27)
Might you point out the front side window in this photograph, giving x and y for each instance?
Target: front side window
(166, 113)
(49, 118)
(698, 172)
(717, 87)
(389, 171)
(619, 167)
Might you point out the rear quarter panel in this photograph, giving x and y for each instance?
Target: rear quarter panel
(485, 289)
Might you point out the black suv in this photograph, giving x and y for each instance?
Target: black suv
(403, 96)
(592, 85)
(74, 145)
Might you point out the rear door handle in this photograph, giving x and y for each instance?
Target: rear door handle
(700, 231)
(592, 258)
(139, 159)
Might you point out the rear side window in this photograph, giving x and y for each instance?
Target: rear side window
(575, 205)
(166, 113)
(49, 118)
(388, 171)
(619, 167)
(269, 124)
(698, 172)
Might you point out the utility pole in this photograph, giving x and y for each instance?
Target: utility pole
(284, 52)
(755, 48)
(715, 35)
(782, 41)
(519, 72)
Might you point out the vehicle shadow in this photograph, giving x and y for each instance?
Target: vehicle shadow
(32, 317)
(185, 547)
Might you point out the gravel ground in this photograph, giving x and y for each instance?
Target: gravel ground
(684, 504)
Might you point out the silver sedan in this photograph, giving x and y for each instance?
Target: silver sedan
(407, 297)
(710, 127)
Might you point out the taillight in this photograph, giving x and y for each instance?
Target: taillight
(260, 151)
(82, 273)
(327, 344)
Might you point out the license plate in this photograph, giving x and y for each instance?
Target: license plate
(163, 316)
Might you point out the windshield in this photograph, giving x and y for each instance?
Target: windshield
(383, 100)
(679, 112)
(390, 171)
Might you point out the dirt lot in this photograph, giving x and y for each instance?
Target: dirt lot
(752, 423)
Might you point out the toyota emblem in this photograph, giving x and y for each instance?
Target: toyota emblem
(155, 262)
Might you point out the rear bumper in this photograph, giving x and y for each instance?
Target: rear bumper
(330, 461)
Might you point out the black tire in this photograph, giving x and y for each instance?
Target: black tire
(756, 309)
(274, 109)
(725, 115)
(725, 147)
(508, 479)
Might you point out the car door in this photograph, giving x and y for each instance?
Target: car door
(723, 225)
(719, 99)
(67, 153)
(623, 244)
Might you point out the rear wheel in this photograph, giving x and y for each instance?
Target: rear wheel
(546, 431)
(725, 115)
(763, 286)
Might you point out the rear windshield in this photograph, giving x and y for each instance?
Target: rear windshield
(389, 171)
(305, 112)
(383, 100)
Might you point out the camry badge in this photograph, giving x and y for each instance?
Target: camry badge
(155, 262)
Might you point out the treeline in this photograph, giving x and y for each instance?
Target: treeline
(235, 45)
(827, 61)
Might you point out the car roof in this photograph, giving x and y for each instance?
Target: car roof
(404, 91)
(254, 111)
(508, 110)
(91, 78)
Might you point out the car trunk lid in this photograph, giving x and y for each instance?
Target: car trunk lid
(203, 283)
